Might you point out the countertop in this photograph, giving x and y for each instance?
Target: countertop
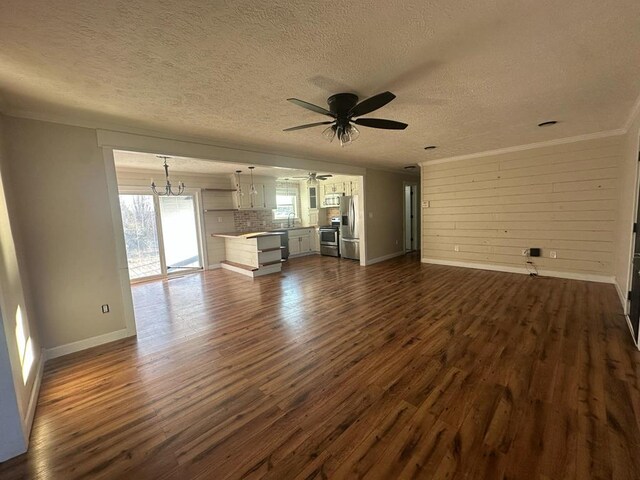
(245, 234)
(262, 233)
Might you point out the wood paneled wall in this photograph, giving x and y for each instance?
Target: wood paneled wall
(560, 198)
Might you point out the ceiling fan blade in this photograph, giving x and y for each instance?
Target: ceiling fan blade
(371, 104)
(308, 125)
(323, 177)
(380, 123)
(310, 106)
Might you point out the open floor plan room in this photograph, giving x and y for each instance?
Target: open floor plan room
(521, 377)
(299, 240)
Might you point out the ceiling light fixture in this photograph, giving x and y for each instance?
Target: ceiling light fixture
(548, 123)
(168, 188)
(430, 147)
(238, 186)
(252, 188)
(346, 133)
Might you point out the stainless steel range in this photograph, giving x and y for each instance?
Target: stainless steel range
(330, 238)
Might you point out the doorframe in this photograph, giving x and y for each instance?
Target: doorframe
(414, 230)
(632, 244)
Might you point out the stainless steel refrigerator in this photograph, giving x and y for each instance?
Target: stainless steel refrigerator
(349, 228)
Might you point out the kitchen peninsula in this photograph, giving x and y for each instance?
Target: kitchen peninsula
(252, 254)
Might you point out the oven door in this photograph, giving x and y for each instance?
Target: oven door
(329, 237)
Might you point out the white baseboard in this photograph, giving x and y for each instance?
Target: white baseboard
(509, 269)
(86, 343)
(33, 398)
(214, 266)
(384, 257)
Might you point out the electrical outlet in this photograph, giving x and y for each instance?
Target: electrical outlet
(397, 242)
(525, 252)
(220, 219)
(456, 248)
(105, 308)
(553, 254)
(370, 214)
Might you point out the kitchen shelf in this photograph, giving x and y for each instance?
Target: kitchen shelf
(270, 249)
(220, 189)
(220, 210)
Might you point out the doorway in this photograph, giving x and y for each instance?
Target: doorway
(410, 217)
(634, 293)
(162, 234)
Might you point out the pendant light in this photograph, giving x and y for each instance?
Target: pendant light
(252, 189)
(168, 188)
(239, 191)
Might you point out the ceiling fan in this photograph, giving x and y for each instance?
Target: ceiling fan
(343, 108)
(313, 177)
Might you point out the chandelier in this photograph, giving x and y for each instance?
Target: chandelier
(168, 188)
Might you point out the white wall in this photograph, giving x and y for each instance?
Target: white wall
(626, 205)
(384, 213)
(60, 198)
(560, 198)
(20, 355)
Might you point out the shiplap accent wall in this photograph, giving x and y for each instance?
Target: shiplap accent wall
(560, 198)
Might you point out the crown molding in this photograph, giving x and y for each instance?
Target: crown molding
(529, 146)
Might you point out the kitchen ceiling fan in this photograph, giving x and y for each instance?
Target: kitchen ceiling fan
(343, 108)
(313, 177)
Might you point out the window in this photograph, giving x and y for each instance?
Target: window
(286, 206)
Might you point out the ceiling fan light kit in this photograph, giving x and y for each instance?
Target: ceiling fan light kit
(343, 108)
(313, 177)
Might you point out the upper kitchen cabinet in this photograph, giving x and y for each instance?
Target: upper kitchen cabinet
(264, 197)
(312, 191)
(332, 189)
(269, 196)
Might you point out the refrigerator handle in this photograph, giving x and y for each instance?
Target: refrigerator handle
(353, 218)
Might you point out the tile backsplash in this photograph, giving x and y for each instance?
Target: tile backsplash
(252, 220)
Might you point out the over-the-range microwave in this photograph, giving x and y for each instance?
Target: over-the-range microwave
(331, 200)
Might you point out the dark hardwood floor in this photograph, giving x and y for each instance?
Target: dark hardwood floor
(332, 370)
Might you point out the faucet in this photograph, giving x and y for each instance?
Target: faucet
(291, 219)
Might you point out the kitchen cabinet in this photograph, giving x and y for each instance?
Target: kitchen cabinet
(269, 197)
(301, 241)
(264, 199)
(313, 198)
(313, 217)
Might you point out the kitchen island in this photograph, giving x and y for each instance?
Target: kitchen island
(252, 254)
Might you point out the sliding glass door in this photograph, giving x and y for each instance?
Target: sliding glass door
(180, 233)
(162, 234)
(141, 236)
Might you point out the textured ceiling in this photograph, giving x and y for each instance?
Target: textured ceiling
(147, 161)
(469, 76)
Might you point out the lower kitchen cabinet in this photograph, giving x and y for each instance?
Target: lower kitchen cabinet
(301, 241)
